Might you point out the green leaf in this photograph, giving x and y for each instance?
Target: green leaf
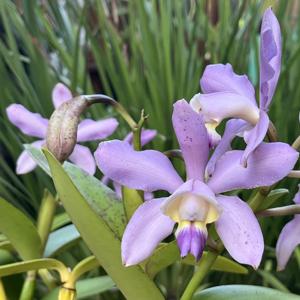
(272, 281)
(132, 200)
(61, 239)
(273, 197)
(103, 200)
(100, 239)
(243, 292)
(20, 231)
(87, 288)
(35, 264)
(167, 254)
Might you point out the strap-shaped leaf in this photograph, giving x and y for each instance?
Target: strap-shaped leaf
(133, 282)
(20, 231)
(167, 254)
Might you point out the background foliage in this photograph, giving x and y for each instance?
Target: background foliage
(146, 54)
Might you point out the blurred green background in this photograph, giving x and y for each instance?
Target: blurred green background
(146, 54)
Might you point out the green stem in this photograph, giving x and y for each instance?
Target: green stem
(280, 211)
(2, 291)
(257, 200)
(28, 286)
(204, 266)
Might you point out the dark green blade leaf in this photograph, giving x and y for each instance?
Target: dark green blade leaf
(101, 240)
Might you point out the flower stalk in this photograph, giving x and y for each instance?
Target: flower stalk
(203, 268)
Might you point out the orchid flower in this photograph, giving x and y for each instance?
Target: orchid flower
(196, 202)
(228, 95)
(33, 124)
(288, 239)
(147, 135)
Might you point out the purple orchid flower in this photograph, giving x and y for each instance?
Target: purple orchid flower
(147, 135)
(228, 95)
(288, 239)
(35, 125)
(196, 202)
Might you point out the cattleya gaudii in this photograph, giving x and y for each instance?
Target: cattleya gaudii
(35, 125)
(228, 95)
(198, 201)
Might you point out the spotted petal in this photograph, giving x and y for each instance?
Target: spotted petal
(147, 227)
(266, 165)
(239, 230)
(146, 170)
(192, 137)
(32, 124)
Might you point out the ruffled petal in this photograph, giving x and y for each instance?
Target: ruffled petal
(256, 135)
(192, 137)
(270, 57)
(90, 130)
(288, 240)
(60, 94)
(233, 127)
(266, 165)
(25, 163)
(32, 124)
(239, 230)
(83, 158)
(221, 78)
(216, 107)
(147, 227)
(146, 170)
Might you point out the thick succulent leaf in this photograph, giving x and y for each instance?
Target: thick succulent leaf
(20, 231)
(99, 237)
(167, 254)
(104, 201)
(243, 292)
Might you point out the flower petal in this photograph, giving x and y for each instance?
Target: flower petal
(270, 57)
(192, 137)
(266, 165)
(146, 170)
(256, 135)
(288, 240)
(147, 227)
(83, 158)
(60, 94)
(221, 78)
(25, 163)
(192, 201)
(147, 135)
(90, 130)
(218, 106)
(239, 230)
(233, 128)
(32, 124)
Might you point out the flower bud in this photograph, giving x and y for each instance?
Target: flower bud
(62, 128)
